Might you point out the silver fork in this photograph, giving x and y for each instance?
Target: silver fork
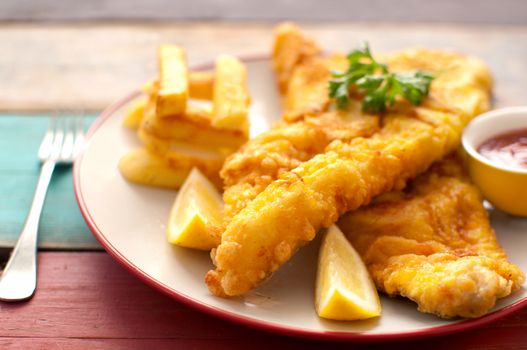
(61, 144)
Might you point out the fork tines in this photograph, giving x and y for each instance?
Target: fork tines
(63, 139)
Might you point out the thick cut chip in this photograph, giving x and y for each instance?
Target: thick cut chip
(230, 96)
(201, 85)
(196, 215)
(194, 128)
(173, 81)
(146, 168)
(150, 87)
(135, 113)
(344, 289)
(184, 156)
(149, 168)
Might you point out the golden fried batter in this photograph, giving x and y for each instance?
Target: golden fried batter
(307, 128)
(263, 159)
(290, 49)
(433, 244)
(307, 91)
(289, 211)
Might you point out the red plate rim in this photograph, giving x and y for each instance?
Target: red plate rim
(244, 320)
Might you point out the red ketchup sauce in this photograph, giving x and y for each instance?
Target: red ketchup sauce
(508, 149)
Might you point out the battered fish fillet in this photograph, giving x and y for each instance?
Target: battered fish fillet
(289, 212)
(433, 244)
(291, 48)
(307, 126)
(263, 159)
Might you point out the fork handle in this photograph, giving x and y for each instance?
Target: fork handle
(19, 278)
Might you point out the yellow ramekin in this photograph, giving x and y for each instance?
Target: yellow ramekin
(504, 186)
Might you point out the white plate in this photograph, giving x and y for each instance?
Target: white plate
(129, 220)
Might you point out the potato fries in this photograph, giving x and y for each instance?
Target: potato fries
(184, 156)
(179, 133)
(146, 168)
(173, 81)
(230, 96)
(135, 114)
(193, 128)
(200, 85)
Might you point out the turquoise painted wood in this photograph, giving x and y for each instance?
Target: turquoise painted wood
(61, 225)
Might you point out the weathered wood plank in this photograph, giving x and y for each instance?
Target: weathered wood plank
(472, 11)
(88, 66)
(85, 300)
(61, 224)
(168, 344)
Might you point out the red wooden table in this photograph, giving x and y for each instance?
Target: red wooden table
(86, 300)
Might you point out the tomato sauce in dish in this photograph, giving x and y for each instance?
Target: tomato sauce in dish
(508, 149)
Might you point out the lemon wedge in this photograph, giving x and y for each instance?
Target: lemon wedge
(344, 289)
(196, 214)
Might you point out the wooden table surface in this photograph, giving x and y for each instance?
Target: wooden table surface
(85, 299)
(89, 65)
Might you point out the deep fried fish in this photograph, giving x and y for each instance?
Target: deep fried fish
(433, 243)
(289, 212)
(263, 159)
(307, 126)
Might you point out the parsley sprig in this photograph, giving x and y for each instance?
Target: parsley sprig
(379, 85)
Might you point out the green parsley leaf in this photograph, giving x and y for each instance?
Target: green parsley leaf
(379, 85)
